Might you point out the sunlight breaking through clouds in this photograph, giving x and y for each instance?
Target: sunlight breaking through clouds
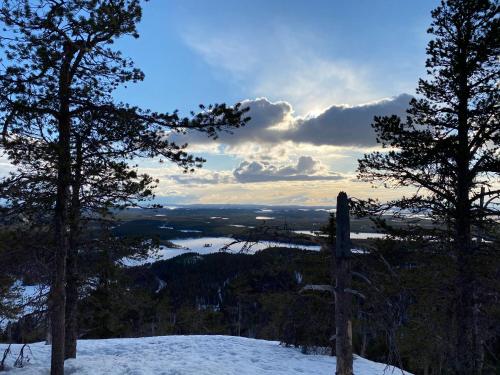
(279, 147)
(287, 63)
(339, 125)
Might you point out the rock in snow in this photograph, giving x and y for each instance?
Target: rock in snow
(186, 355)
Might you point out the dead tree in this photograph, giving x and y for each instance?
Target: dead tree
(343, 297)
(5, 355)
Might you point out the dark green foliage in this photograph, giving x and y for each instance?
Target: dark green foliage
(71, 142)
(23, 255)
(448, 148)
(406, 317)
(238, 294)
(8, 297)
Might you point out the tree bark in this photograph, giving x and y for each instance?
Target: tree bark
(343, 299)
(364, 343)
(72, 280)
(48, 334)
(466, 361)
(61, 227)
(465, 341)
(58, 290)
(71, 332)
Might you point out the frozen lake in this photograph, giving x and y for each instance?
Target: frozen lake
(354, 235)
(209, 245)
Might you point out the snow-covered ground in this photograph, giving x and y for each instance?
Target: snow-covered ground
(186, 355)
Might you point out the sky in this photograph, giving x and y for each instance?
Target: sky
(312, 72)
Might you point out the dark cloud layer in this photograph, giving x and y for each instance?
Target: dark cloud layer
(346, 126)
(264, 115)
(336, 126)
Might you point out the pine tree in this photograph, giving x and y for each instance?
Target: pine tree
(56, 83)
(448, 148)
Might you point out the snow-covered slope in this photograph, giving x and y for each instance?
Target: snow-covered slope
(183, 355)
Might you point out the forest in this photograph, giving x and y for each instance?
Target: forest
(88, 251)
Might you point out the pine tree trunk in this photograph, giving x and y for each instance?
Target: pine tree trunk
(71, 333)
(48, 334)
(479, 329)
(58, 289)
(468, 345)
(72, 281)
(465, 358)
(364, 343)
(343, 309)
(61, 222)
(466, 350)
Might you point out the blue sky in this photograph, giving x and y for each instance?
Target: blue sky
(314, 73)
(382, 40)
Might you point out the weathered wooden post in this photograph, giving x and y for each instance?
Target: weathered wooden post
(343, 297)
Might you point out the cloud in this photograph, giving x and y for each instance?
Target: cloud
(203, 177)
(262, 171)
(265, 115)
(305, 168)
(346, 126)
(274, 123)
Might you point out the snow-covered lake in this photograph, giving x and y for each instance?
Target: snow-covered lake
(188, 355)
(209, 245)
(354, 235)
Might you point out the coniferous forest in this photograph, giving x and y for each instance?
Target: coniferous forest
(365, 232)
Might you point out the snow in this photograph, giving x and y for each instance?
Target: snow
(198, 245)
(310, 233)
(209, 245)
(364, 236)
(181, 230)
(187, 355)
(354, 235)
